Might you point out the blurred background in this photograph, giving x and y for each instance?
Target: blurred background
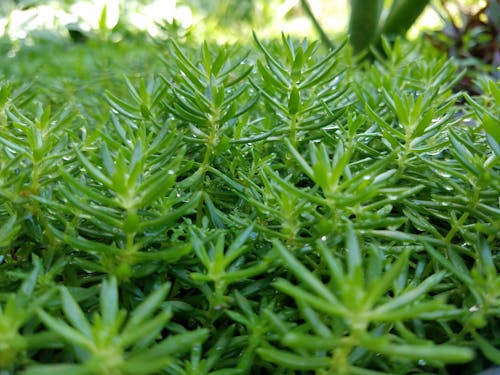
(222, 20)
(71, 40)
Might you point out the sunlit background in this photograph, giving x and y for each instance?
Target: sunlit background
(223, 20)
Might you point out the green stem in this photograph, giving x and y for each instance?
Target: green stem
(402, 16)
(3, 118)
(293, 130)
(212, 138)
(364, 23)
(404, 153)
(340, 362)
(129, 247)
(130, 231)
(35, 177)
(207, 158)
(199, 210)
(462, 218)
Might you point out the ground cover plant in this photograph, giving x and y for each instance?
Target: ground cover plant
(272, 208)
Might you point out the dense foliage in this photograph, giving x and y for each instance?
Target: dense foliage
(265, 209)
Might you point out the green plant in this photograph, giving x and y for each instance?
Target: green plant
(347, 303)
(366, 24)
(113, 344)
(17, 332)
(301, 89)
(265, 209)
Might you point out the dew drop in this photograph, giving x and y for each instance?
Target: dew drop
(444, 174)
(422, 362)
(474, 308)
(323, 238)
(436, 153)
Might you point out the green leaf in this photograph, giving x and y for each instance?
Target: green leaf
(123, 107)
(74, 314)
(237, 317)
(354, 256)
(450, 267)
(60, 369)
(25, 293)
(292, 360)
(5, 90)
(167, 219)
(305, 166)
(335, 309)
(237, 247)
(144, 333)
(84, 244)
(462, 154)
(411, 295)
(379, 286)
(94, 171)
(302, 341)
(144, 311)
(109, 301)
(492, 127)
(491, 352)
(102, 18)
(303, 274)
(294, 102)
(85, 189)
(175, 344)
(69, 334)
(9, 231)
(269, 57)
(142, 365)
(441, 353)
(292, 189)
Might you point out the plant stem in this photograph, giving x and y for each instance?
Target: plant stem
(293, 130)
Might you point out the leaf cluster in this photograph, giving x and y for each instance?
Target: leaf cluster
(253, 210)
